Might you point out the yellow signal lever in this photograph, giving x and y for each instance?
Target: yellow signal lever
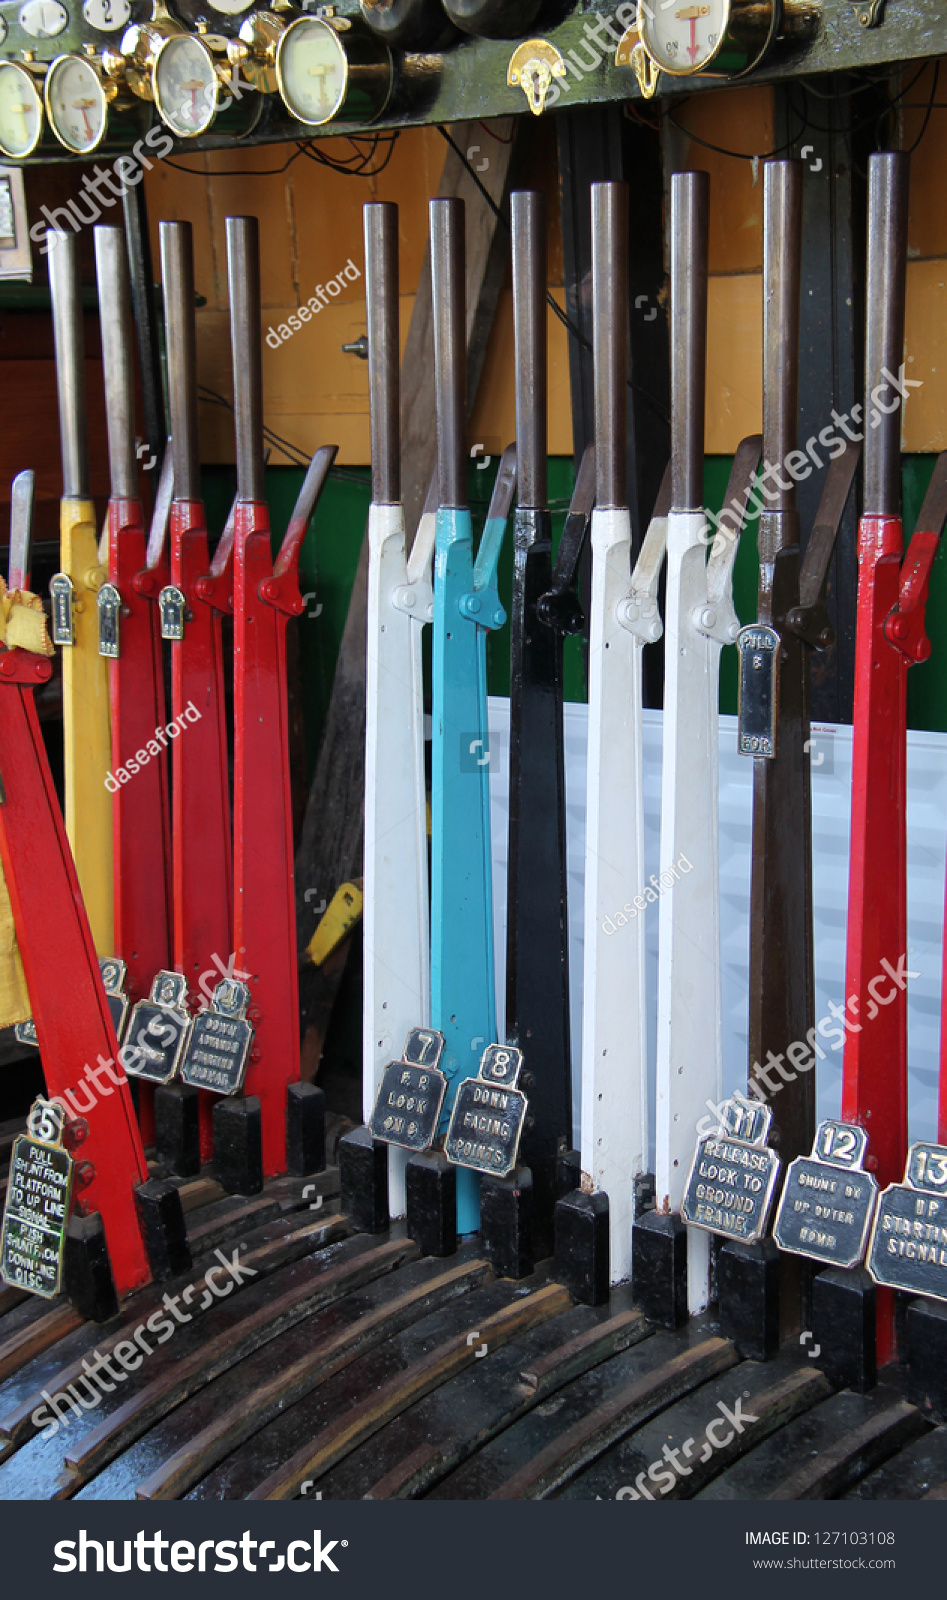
(74, 590)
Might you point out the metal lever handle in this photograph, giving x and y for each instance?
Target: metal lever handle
(719, 619)
(21, 528)
(69, 339)
(810, 619)
(162, 509)
(905, 626)
(488, 555)
(560, 607)
(313, 485)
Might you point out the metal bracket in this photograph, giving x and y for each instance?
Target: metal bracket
(632, 53)
(638, 611)
(870, 13)
(533, 65)
(109, 604)
(171, 607)
(61, 595)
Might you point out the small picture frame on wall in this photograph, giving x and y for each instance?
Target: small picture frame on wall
(16, 257)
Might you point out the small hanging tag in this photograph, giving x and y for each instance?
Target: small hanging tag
(759, 648)
(171, 612)
(60, 594)
(109, 605)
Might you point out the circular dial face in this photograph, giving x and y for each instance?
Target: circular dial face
(107, 16)
(21, 111)
(42, 19)
(684, 37)
(230, 8)
(312, 70)
(186, 85)
(75, 104)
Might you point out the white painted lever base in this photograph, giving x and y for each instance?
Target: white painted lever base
(614, 1057)
(689, 1004)
(395, 917)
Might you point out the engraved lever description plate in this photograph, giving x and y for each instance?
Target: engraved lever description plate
(37, 1205)
(908, 1247)
(733, 1175)
(219, 1043)
(759, 647)
(488, 1114)
(157, 1030)
(828, 1201)
(411, 1093)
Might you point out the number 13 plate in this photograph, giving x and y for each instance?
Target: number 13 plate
(908, 1248)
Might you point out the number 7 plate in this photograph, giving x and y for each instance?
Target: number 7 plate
(411, 1094)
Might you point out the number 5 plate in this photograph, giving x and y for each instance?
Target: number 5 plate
(411, 1094)
(908, 1248)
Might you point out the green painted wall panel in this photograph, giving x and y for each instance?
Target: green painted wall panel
(331, 551)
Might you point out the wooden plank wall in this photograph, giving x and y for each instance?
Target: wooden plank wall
(311, 228)
(742, 119)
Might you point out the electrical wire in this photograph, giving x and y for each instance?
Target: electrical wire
(739, 155)
(357, 165)
(240, 172)
(286, 448)
(927, 113)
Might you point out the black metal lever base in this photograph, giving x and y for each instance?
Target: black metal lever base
(305, 1129)
(87, 1271)
(925, 1352)
(843, 1327)
(431, 1198)
(238, 1145)
(506, 1223)
(582, 1246)
(163, 1228)
(748, 1287)
(177, 1128)
(659, 1268)
(363, 1177)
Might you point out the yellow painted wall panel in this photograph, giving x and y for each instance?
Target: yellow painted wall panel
(925, 337)
(493, 421)
(734, 119)
(927, 220)
(734, 361)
